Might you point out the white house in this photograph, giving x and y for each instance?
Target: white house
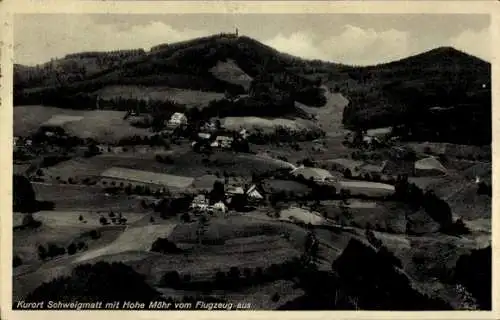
(200, 202)
(222, 142)
(243, 133)
(177, 120)
(219, 207)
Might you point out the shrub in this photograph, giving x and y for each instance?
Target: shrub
(163, 245)
(103, 221)
(95, 234)
(170, 279)
(42, 252)
(71, 249)
(16, 261)
(107, 281)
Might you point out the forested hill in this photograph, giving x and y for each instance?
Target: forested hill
(418, 93)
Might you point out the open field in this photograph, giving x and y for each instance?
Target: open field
(302, 216)
(229, 71)
(168, 180)
(133, 239)
(329, 116)
(190, 98)
(453, 150)
(367, 188)
(83, 198)
(103, 125)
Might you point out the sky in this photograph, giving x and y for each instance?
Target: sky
(355, 39)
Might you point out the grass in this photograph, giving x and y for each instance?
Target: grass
(229, 71)
(190, 98)
(277, 185)
(81, 198)
(382, 216)
(103, 125)
(329, 117)
(132, 239)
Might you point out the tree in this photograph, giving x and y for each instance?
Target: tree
(347, 173)
(101, 281)
(234, 274)
(103, 221)
(42, 252)
(16, 261)
(218, 193)
(71, 249)
(23, 195)
(95, 234)
(185, 217)
(202, 228)
(163, 245)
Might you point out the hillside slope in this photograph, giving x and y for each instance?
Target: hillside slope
(417, 93)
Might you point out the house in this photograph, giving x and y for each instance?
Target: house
(224, 142)
(254, 194)
(200, 203)
(429, 167)
(178, 119)
(244, 133)
(219, 207)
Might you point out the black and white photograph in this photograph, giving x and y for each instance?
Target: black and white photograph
(252, 161)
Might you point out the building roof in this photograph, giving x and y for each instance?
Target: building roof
(430, 163)
(147, 177)
(178, 116)
(377, 132)
(204, 135)
(236, 190)
(254, 193)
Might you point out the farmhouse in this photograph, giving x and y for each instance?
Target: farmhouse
(219, 207)
(316, 174)
(116, 176)
(178, 119)
(429, 167)
(200, 202)
(224, 142)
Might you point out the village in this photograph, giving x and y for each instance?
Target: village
(360, 175)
